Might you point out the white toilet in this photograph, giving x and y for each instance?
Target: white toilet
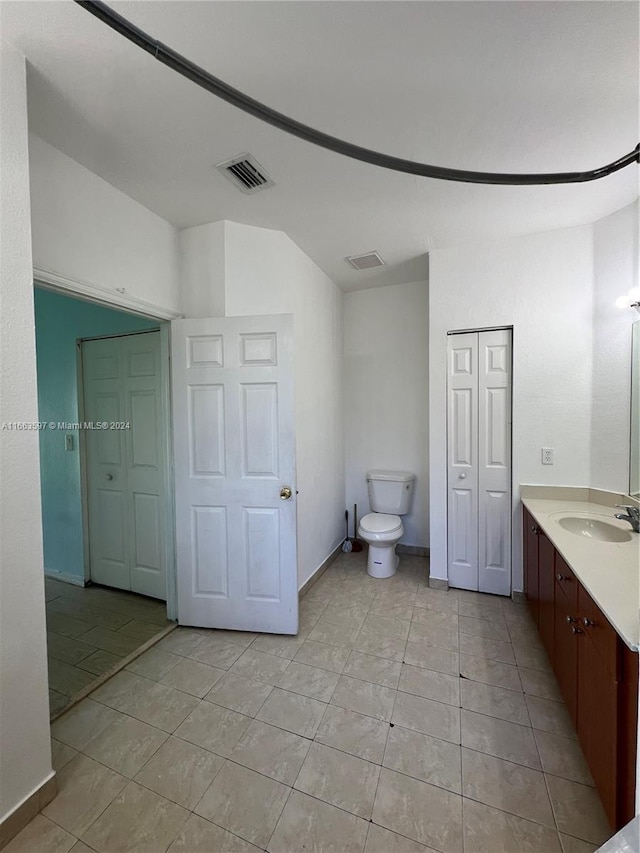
(390, 494)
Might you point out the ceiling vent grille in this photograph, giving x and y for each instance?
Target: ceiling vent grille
(365, 262)
(246, 173)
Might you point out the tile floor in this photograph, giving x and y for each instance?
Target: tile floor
(90, 630)
(400, 719)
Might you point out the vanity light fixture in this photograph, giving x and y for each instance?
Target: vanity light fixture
(632, 299)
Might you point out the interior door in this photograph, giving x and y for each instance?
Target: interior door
(234, 458)
(126, 462)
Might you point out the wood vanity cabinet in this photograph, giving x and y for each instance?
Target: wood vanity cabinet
(597, 673)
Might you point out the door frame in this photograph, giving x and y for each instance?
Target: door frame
(116, 302)
(452, 333)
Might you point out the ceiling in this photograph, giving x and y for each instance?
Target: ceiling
(495, 86)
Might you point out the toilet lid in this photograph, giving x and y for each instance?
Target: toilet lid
(380, 522)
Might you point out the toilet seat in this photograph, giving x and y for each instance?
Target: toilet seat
(380, 522)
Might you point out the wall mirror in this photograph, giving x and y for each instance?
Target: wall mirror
(634, 455)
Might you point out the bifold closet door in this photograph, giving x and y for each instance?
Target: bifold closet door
(479, 461)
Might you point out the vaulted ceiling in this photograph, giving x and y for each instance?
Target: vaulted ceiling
(495, 86)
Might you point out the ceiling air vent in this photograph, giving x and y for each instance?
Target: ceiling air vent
(365, 262)
(246, 173)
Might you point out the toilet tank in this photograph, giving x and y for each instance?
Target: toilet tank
(390, 491)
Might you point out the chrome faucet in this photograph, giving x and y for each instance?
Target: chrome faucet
(632, 516)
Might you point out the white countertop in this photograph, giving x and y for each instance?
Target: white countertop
(610, 572)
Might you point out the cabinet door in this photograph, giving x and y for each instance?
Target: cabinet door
(531, 530)
(565, 653)
(546, 581)
(598, 722)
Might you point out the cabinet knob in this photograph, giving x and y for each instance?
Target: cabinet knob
(560, 577)
(575, 630)
(570, 619)
(588, 623)
(535, 529)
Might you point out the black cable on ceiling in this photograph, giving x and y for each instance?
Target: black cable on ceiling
(217, 87)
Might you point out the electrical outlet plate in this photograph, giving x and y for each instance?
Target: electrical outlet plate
(548, 456)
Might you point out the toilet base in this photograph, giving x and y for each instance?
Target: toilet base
(382, 562)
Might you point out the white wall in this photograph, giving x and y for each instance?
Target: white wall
(386, 395)
(615, 256)
(25, 754)
(202, 270)
(541, 285)
(266, 273)
(88, 231)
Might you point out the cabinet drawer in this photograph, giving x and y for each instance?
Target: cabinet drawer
(566, 581)
(599, 630)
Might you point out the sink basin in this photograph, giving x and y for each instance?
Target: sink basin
(593, 527)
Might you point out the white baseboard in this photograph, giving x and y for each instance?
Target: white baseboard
(64, 577)
(315, 577)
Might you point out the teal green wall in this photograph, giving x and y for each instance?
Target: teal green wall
(60, 321)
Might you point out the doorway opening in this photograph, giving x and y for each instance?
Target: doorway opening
(103, 399)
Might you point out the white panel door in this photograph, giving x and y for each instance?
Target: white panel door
(494, 462)
(126, 462)
(462, 451)
(479, 461)
(234, 454)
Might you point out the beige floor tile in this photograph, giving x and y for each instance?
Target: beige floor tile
(424, 757)
(364, 697)
(435, 618)
(41, 835)
(388, 626)
(292, 712)
(244, 695)
(381, 840)
(578, 810)
(213, 727)
(100, 662)
(490, 672)
(331, 658)
(576, 845)
(524, 633)
(271, 751)
(383, 606)
(201, 836)
(154, 664)
(238, 638)
(182, 641)
(67, 679)
(82, 723)
(494, 701)
(180, 772)
(374, 669)
(68, 626)
(494, 630)
(141, 630)
(342, 780)
(280, 645)
(81, 847)
(370, 643)
(483, 647)
(503, 785)
(149, 701)
(549, 716)
(432, 657)
(427, 717)
(354, 733)
(346, 613)
(111, 641)
(481, 610)
(61, 754)
(137, 820)
(531, 656)
(446, 638)
(334, 635)
(516, 613)
(311, 825)
(562, 756)
(216, 653)
(193, 677)
(85, 789)
(435, 599)
(245, 803)
(68, 650)
(489, 830)
(430, 684)
(309, 681)
(393, 596)
(126, 745)
(420, 811)
(500, 738)
(57, 702)
(536, 682)
(260, 666)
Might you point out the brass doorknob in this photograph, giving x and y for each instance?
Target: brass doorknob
(285, 493)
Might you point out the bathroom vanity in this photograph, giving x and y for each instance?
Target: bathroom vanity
(581, 569)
